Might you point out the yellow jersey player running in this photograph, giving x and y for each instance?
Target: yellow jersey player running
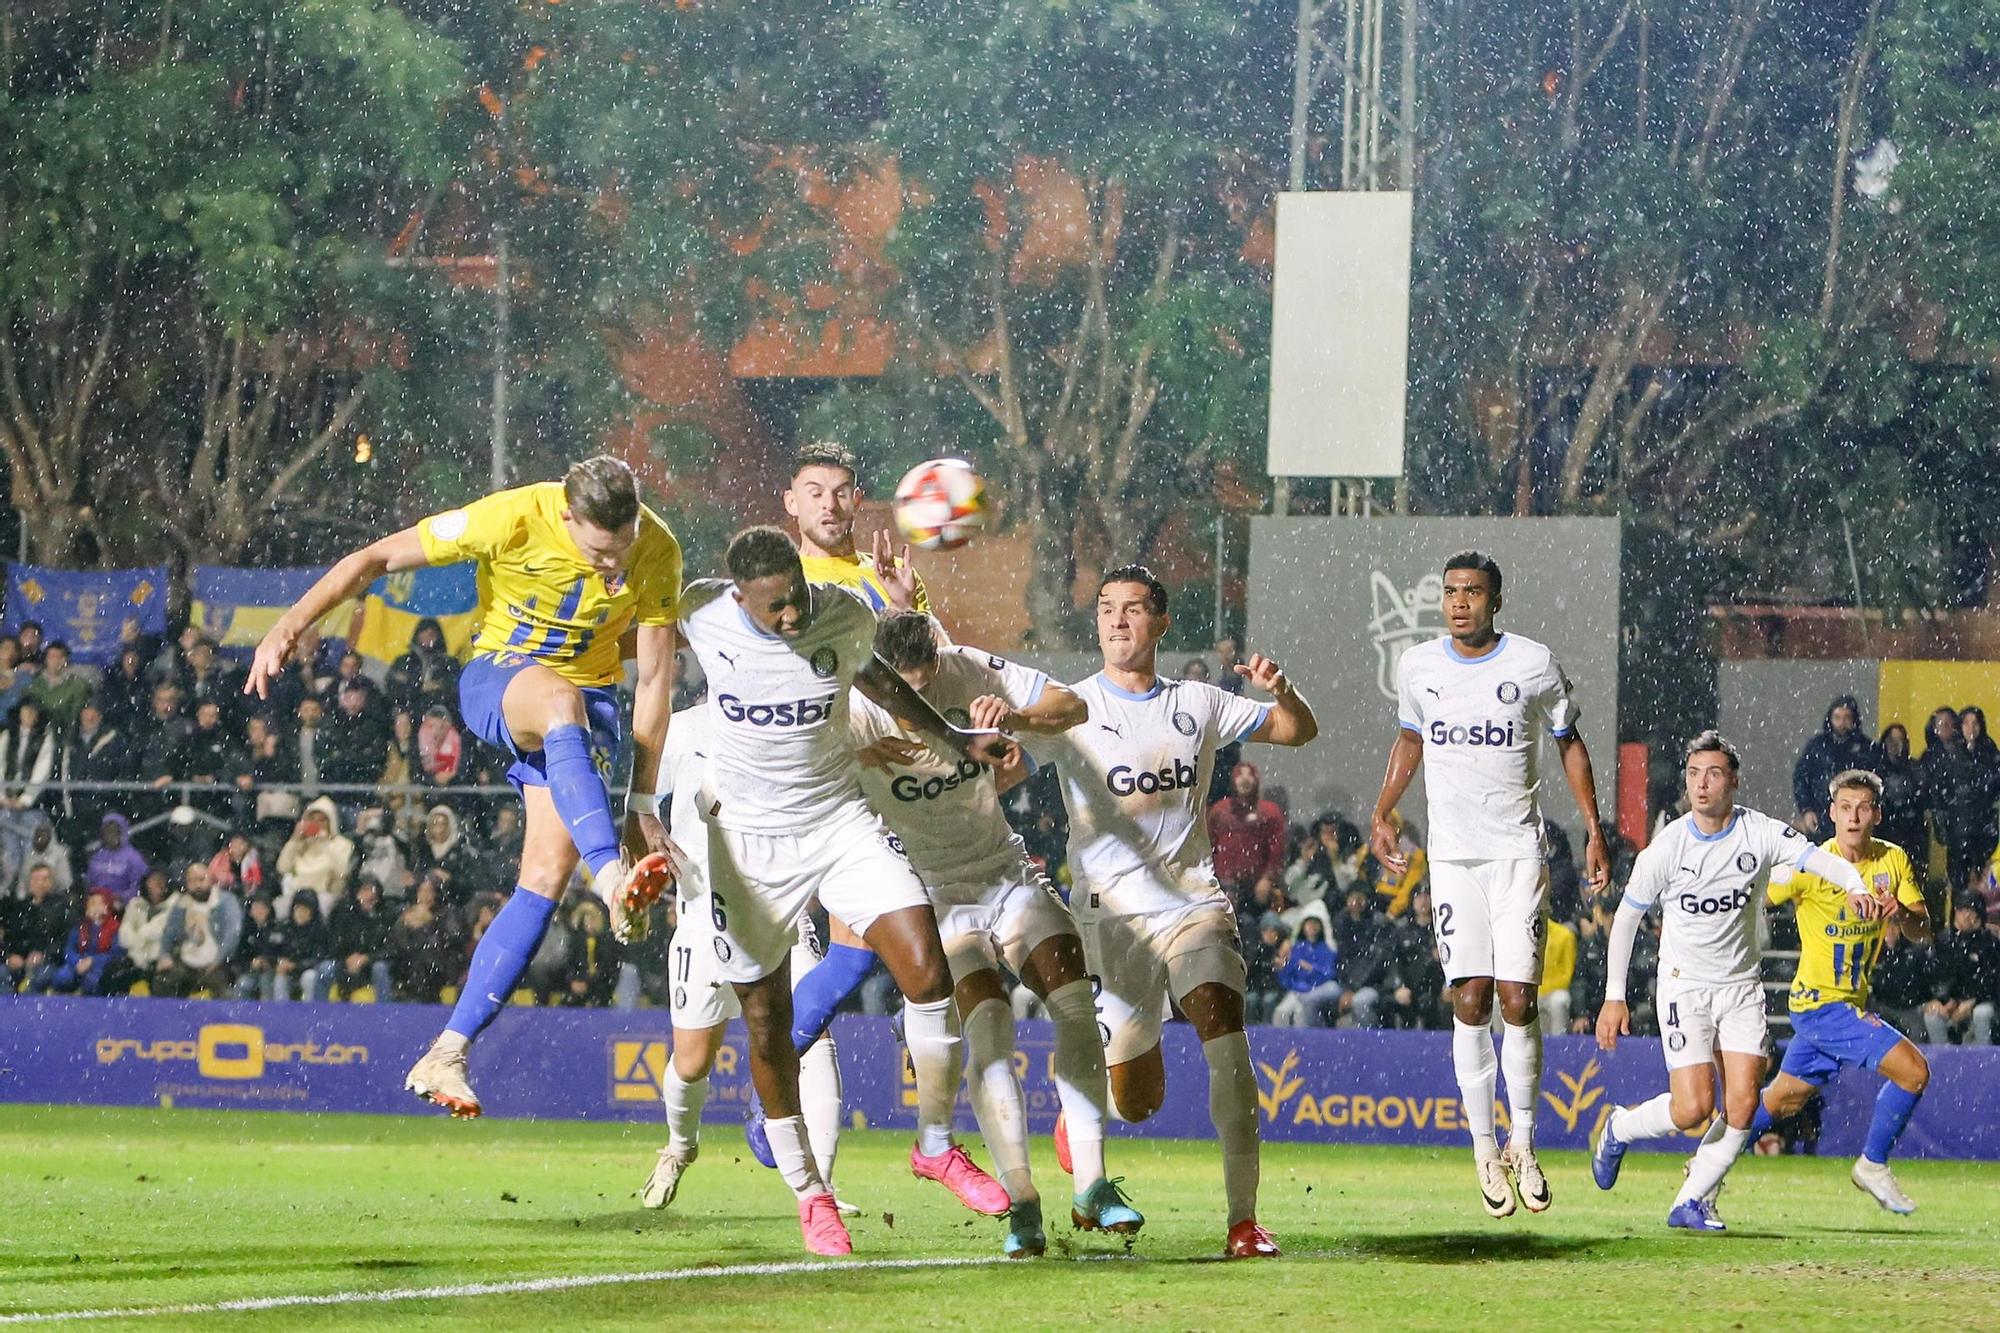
(1831, 1029)
(565, 568)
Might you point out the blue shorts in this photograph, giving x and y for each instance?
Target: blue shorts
(1834, 1037)
(483, 684)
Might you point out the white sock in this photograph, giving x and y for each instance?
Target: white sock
(1478, 1069)
(820, 1103)
(684, 1099)
(1712, 1162)
(451, 1043)
(996, 1095)
(1080, 1079)
(937, 1057)
(1521, 1062)
(1652, 1119)
(794, 1158)
(1232, 1105)
(1717, 1127)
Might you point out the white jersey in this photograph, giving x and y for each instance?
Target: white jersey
(1135, 778)
(1481, 722)
(1709, 890)
(684, 769)
(778, 706)
(946, 809)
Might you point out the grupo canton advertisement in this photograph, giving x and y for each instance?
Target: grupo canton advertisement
(1314, 1085)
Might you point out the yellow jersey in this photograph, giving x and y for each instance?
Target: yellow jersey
(857, 572)
(1559, 957)
(539, 597)
(1836, 952)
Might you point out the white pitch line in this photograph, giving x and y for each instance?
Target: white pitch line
(528, 1285)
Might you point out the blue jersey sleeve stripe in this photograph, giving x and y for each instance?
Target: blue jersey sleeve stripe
(1408, 725)
(1560, 732)
(1262, 715)
(1041, 687)
(1637, 904)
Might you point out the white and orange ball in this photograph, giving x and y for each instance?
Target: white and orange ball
(940, 505)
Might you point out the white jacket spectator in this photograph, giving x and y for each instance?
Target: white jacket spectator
(142, 931)
(45, 849)
(317, 857)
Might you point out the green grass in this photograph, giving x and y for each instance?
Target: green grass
(137, 1208)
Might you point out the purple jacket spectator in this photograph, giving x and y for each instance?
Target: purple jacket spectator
(115, 864)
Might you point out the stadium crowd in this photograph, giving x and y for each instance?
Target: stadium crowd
(347, 839)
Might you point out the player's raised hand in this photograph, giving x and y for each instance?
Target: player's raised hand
(273, 651)
(645, 834)
(1596, 861)
(989, 712)
(1386, 843)
(899, 579)
(1265, 674)
(1614, 1020)
(891, 750)
(994, 751)
(1865, 906)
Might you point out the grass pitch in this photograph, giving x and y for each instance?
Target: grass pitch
(138, 1210)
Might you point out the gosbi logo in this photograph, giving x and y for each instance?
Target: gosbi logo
(914, 787)
(229, 1051)
(1125, 781)
(1284, 1098)
(1478, 733)
(1403, 619)
(791, 713)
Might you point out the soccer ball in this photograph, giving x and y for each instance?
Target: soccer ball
(941, 505)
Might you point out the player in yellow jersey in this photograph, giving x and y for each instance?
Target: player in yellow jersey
(1831, 1029)
(565, 569)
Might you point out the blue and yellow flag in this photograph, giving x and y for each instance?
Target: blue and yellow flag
(87, 610)
(237, 607)
(448, 594)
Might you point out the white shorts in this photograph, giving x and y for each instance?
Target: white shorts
(1698, 1019)
(1136, 960)
(759, 883)
(1004, 916)
(1491, 918)
(699, 998)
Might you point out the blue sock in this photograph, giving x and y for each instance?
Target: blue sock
(579, 795)
(499, 961)
(823, 990)
(1893, 1106)
(1760, 1124)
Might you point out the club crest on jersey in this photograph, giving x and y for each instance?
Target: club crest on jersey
(721, 949)
(1184, 723)
(958, 717)
(1745, 862)
(1404, 618)
(1509, 692)
(824, 663)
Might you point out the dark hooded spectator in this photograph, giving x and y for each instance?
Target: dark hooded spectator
(262, 763)
(424, 949)
(142, 929)
(258, 952)
(209, 758)
(204, 927)
(425, 675)
(1961, 800)
(590, 969)
(307, 946)
(114, 863)
(1586, 983)
(35, 928)
(171, 658)
(205, 678)
(236, 866)
(1965, 989)
(96, 751)
(1979, 742)
(1416, 991)
(90, 958)
(30, 636)
(445, 848)
(354, 739)
(503, 845)
(1840, 745)
(1247, 833)
(45, 849)
(1308, 976)
(317, 857)
(160, 744)
(360, 926)
(1260, 960)
(351, 670)
(60, 689)
(127, 691)
(1901, 985)
(1905, 802)
(1366, 949)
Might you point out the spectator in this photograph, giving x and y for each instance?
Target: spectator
(203, 678)
(1417, 986)
(45, 849)
(163, 737)
(548, 970)
(1260, 958)
(1904, 800)
(1586, 987)
(1247, 833)
(360, 927)
(1961, 800)
(36, 927)
(503, 846)
(15, 675)
(1365, 948)
(1306, 975)
(1966, 988)
(1309, 873)
(424, 947)
(403, 766)
(1979, 742)
(427, 673)
(143, 927)
(90, 959)
(351, 671)
(261, 763)
(27, 763)
(590, 969)
(354, 744)
(1229, 660)
(172, 657)
(127, 691)
(445, 849)
(1840, 745)
(306, 948)
(96, 751)
(317, 857)
(258, 952)
(310, 743)
(60, 689)
(1396, 890)
(204, 927)
(209, 758)
(114, 863)
(238, 868)
(1195, 669)
(382, 854)
(30, 636)
(1558, 973)
(1901, 987)
(440, 748)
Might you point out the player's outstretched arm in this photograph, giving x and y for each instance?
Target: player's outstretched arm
(1840, 872)
(1058, 709)
(880, 683)
(1405, 755)
(1614, 1017)
(349, 578)
(1291, 721)
(1583, 785)
(652, 705)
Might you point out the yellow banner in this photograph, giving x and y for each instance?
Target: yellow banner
(1912, 691)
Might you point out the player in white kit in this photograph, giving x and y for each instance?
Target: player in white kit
(1154, 918)
(1471, 710)
(702, 1003)
(1707, 873)
(787, 821)
(994, 905)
